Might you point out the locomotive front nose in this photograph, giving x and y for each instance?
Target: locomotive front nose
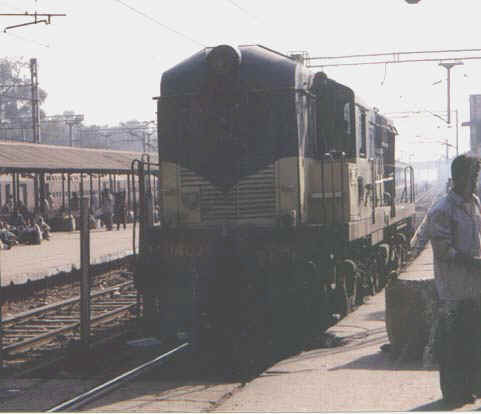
(224, 60)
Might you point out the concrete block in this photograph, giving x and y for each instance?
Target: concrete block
(410, 314)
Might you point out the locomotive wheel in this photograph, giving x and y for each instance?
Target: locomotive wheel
(379, 279)
(372, 278)
(398, 251)
(382, 262)
(349, 271)
(340, 299)
(359, 298)
(403, 246)
(373, 284)
(339, 295)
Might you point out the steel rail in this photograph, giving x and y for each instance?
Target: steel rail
(54, 306)
(99, 391)
(47, 336)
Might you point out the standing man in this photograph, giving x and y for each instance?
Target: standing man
(454, 225)
(107, 209)
(119, 209)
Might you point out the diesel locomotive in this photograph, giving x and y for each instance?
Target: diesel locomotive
(281, 205)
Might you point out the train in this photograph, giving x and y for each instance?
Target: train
(281, 205)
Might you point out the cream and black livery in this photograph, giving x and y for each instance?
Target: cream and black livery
(270, 172)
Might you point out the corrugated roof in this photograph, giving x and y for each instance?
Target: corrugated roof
(21, 157)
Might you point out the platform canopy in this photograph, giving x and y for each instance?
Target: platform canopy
(32, 158)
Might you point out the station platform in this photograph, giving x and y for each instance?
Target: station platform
(357, 376)
(61, 253)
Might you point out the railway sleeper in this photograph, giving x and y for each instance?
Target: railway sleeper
(116, 302)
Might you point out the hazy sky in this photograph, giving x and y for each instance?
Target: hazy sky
(104, 60)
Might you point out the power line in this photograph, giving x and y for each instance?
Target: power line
(395, 61)
(24, 39)
(396, 57)
(394, 54)
(160, 23)
(237, 6)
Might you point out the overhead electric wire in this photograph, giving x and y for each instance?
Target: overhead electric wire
(237, 6)
(153, 19)
(395, 61)
(24, 39)
(395, 53)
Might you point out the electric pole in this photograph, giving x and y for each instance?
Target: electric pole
(71, 121)
(448, 67)
(35, 105)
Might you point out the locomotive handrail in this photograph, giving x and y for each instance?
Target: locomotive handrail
(145, 157)
(373, 193)
(413, 186)
(132, 167)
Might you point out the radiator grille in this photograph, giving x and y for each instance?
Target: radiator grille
(252, 197)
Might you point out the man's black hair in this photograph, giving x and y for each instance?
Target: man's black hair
(462, 166)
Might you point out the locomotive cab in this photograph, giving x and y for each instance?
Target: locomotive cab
(354, 169)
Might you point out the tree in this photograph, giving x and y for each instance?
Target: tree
(15, 100)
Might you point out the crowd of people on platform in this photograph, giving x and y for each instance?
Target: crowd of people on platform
(19, 225)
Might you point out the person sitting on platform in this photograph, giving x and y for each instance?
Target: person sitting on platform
(30, 233)
(6, 236)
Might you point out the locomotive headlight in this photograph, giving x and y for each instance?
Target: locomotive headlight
(223, 59)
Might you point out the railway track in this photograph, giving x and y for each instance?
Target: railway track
(423, 203)
(61, 321)
(424, 200)
(101, 390)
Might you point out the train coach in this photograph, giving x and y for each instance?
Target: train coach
(281, 203)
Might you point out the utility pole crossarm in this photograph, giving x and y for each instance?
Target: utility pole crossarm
(35, 15)
(448, 67)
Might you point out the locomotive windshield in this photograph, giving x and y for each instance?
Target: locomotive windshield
(225, 139)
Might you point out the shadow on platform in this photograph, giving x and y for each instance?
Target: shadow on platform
(315, 353)
(376, 316)
(438, 405)
(381, 361)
